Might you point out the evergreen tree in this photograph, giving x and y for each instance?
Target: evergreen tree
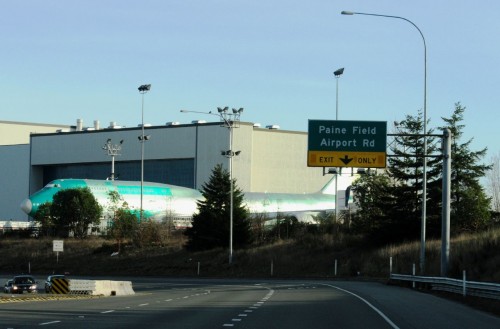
(469, 203)
(405, 169)
(389, 209)
(210, 226)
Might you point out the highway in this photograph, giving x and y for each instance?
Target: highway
(191, 303)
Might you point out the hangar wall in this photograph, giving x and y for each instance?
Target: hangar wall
(271, 160)
(14, 171)
(14, 164)
(279, 163)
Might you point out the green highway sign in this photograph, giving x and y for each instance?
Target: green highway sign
(338, 143)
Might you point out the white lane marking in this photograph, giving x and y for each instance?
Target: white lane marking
(110, 311)
(168, 300)
(236, 320)
(228, 325)
(47, 323)
(145, 304)
(242, 314)
(386, 318)
(248, 311)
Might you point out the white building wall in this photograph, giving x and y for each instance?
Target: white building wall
(12, 133)
(279, 163)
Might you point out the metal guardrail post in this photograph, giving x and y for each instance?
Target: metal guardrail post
(464, 292)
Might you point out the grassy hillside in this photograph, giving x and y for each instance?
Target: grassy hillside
(311, 256)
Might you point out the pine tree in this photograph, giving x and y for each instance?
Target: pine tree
(406, 170)
(210, 226)
(469, 203)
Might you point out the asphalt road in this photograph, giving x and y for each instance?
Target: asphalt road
(177, 303)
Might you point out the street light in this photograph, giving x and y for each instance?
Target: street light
(337, 75)
(424, 179)
(229, 120)
(112, 150)
(143, 89)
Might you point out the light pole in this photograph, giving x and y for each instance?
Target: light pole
(424, 179)
(229, 120)
(337, 75)
(142, 89)
(112, 150)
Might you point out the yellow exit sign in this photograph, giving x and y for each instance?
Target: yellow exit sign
(346, 159)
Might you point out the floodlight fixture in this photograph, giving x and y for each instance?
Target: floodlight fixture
(339, 72)
(144, 88)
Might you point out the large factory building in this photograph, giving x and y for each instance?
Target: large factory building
(265, 159)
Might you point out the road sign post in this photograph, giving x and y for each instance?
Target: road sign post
(335, 143)
(57, 246)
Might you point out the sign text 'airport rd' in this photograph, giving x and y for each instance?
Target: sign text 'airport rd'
(333, 143)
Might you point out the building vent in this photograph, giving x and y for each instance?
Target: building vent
(273, 127)
(256, 125)
(198, 121)
(173, 123)
(79, 124)
(113, 125)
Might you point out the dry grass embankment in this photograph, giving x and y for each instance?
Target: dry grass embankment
(311, 256)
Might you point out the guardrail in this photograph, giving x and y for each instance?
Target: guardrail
(464, 287)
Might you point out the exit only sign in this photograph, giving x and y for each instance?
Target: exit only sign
(338, 143)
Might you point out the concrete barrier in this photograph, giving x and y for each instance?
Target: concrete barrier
(114, 288)
(101, 287)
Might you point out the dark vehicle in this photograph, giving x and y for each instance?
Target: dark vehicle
(7, 288)
(48, 282)
(24, 283)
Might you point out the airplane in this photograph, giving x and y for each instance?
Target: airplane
(165, 201)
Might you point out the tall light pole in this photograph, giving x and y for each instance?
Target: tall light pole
(337, 75)
(424, 179)
(229, 120)
(142, 89)
(112, 150)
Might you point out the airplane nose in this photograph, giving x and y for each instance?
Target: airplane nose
(26, 206)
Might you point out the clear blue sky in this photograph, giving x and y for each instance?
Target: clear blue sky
(63, 60)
